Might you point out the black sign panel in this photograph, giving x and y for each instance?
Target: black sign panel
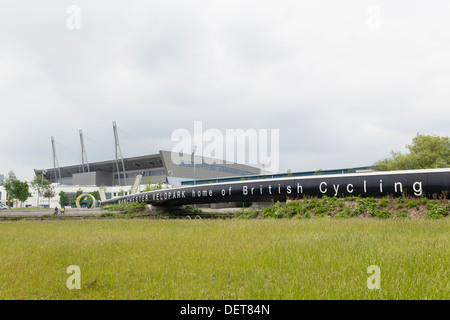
(417, 183)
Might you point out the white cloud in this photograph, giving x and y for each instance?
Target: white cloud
(340, 93)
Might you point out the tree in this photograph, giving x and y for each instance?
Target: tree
(425, 152)
(78, 193)
(95, 194)
(15, 188)
(63, 199)
(152, 185)
(49, 192)
(318, 172)
(9, 182)
(39, 183)
(21, 191)
(10, 201)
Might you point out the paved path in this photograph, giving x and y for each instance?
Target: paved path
(48, 212)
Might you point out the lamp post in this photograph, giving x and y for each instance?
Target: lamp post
(42, 183)
(169, 174)
(193, 159)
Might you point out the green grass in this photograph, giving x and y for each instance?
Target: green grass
(313, 258)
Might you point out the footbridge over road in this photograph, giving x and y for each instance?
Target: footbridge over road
(416, 183)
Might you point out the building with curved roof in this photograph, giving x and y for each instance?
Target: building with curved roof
(159, 167)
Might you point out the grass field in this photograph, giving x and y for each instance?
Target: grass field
(225, 259)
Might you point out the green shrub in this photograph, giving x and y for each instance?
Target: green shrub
(322, 208)
(400, 214)
(383, 214)
(311, 204)
(108, 214)
(346, 213)
(274, 211)
(321, 215)
(328, 204)
(436, 211)
(249, 214)
(413, 203)
(306, 215)
(126, 208)
(192, 210)
(383, 203)
(295, 207)
(368, 205)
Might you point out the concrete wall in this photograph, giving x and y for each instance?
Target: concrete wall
(96, 178)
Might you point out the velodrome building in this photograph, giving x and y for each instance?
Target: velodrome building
(118, 176)
(157, 168)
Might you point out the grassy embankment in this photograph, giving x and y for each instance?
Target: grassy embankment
(328, 207)
(332, 207)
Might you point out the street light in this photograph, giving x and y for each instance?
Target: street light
(193, 159)
(42, 183)
(169, 174)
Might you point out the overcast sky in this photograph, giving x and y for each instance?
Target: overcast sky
(344, 82)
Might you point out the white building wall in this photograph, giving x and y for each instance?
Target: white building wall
(34, 200)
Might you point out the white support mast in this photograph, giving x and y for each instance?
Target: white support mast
(84, 159)
(56, 163)
(119, 154)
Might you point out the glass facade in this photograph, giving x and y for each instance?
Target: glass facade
(216, 168)
(148, 173)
